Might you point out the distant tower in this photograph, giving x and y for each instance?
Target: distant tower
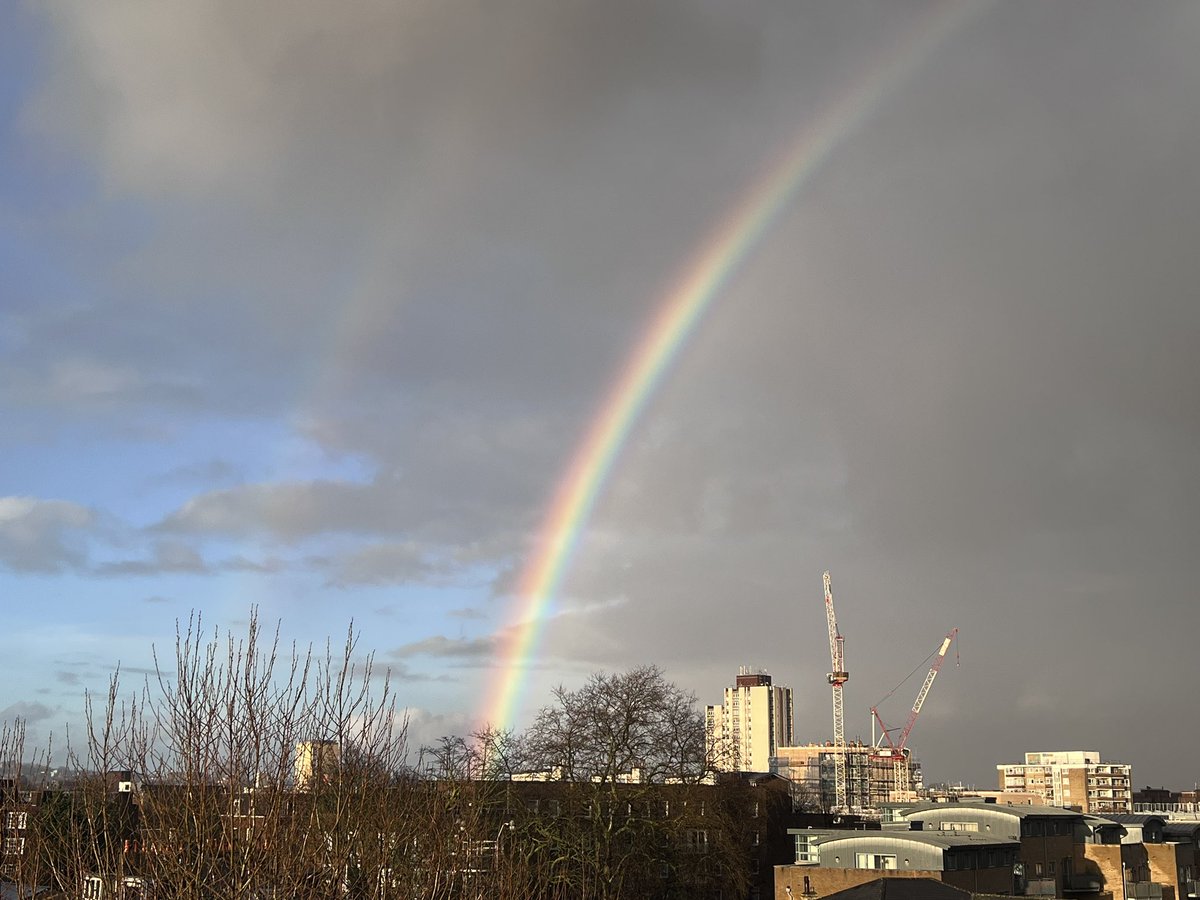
(754, 721)
(316, 762)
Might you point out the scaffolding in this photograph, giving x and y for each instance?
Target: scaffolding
(871, 782)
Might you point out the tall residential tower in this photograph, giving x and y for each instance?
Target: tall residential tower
(754, 721)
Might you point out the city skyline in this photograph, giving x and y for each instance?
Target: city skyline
(319, 310)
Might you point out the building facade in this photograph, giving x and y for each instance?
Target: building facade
(1075, 778)
(754, 721)
(831, 861)
(316, 761)
(872, 780)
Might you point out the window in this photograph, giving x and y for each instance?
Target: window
(16, 820)
(806, 849)
(14, 846)
(958, 826)
(883, 861)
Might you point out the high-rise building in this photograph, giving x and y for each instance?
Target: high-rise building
(1076, 778)
(316, 762)
(754, 721)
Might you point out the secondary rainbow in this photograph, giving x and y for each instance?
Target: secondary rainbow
(678, 314)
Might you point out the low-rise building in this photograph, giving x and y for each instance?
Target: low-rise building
(1048, 837)
(831, 861)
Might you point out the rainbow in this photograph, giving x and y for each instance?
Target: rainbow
(678, 314)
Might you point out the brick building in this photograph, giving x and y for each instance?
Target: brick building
(1075, 778)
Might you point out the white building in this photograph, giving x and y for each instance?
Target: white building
(754, 721)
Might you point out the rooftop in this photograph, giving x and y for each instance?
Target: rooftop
(1020, 811)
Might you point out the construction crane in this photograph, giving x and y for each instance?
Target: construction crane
(838, 676)
(896, 750)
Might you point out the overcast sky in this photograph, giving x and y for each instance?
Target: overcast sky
(308, 306)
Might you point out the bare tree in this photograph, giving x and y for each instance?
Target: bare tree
(629, 750)
(247, 769)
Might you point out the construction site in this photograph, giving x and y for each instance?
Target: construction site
(856, 777)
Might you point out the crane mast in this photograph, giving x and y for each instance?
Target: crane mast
(837, 677)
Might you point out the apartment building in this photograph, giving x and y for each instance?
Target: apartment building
(1074, 778)
(316, 761)
(753, 722)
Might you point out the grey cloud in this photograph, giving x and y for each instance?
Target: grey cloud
(166, 557)
(218, 97)
(26, 711)
(42, 535)
(208, 472)
(287, 510)
(457, 158)
(390, 563)
(447, 505)
(425, 727)
(399, 673)
(453, 648)
(239, 563)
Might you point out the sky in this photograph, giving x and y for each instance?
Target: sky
(308, 308)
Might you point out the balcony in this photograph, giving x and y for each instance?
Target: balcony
(1081, 884)
(1143, 890)
(1190, 888)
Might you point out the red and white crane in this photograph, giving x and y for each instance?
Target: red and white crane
(895, 750)
(838, 676)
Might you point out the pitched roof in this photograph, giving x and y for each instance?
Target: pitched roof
(1135, 818)
(901, 889)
